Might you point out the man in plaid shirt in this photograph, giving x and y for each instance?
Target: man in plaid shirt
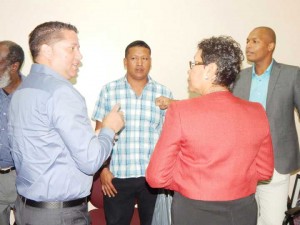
(123, 177)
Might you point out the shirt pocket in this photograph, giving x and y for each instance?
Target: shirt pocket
(152, 117)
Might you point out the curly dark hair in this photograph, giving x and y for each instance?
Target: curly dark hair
(226, 53)
(47, 33)
(15, 53)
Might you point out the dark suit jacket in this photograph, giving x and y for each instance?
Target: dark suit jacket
(282, 99)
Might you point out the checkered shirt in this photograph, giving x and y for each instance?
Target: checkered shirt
(143, 123)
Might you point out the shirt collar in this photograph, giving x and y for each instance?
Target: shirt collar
(266, 73)
(150, 80)
(43, 69)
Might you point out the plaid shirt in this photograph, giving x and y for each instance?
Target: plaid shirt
(132, 151)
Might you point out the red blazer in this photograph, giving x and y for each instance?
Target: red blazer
(213, 148)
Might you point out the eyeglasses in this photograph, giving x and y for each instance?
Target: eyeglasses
(196, 63)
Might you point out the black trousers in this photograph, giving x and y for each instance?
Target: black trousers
(119, 209)
(185, 211)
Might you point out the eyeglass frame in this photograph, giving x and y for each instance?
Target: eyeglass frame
(195, 63)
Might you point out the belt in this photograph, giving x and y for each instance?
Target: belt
(5, 171)
(53, 205)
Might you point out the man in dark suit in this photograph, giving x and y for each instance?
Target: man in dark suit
(277, 87)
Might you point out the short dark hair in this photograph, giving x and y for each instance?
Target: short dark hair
(226, 53)
(15, 53)
(47, 33)
(137, 43)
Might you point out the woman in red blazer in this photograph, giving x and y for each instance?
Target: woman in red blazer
(213, 149)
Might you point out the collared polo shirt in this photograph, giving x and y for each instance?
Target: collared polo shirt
(259, 86)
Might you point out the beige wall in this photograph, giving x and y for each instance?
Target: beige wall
(171, 27)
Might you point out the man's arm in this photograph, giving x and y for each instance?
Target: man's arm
(98, 126)
(69, 118)
(296, 93)
(163, 102)
(106, 175)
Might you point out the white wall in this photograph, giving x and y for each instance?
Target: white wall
(172, 28)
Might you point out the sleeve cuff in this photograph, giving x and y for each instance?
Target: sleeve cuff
(107, 132)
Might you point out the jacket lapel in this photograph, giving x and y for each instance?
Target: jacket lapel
(273, 80)
(245, 94)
